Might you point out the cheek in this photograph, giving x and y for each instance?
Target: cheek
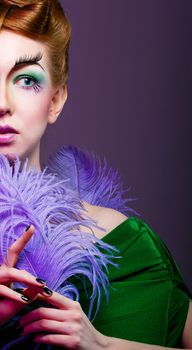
(31, 106)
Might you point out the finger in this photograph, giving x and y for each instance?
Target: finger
(51, 326)
(71, 342)
(32, 292)
(16, 248)
(27, 294)
(8, 275)
(8, 293)
(49, 314)
(14, 301)
(60, 301)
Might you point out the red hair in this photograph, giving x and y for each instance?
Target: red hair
(42, 20)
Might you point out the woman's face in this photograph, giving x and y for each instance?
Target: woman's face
(28, 100)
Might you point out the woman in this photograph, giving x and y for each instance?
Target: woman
(148, 302)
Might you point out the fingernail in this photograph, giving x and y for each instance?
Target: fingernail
(39, 280)
(23, 297)
(47, 291)
(28, 228)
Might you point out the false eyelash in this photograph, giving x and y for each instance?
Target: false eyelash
(36, 87)
(29, 58)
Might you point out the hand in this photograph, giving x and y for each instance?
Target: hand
(66, 325)
(12, 302)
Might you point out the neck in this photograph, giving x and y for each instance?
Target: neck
(34, 159)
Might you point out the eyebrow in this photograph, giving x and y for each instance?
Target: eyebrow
(29, 60)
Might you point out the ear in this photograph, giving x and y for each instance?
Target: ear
(58, 100)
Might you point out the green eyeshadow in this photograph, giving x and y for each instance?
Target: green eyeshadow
(37, 76)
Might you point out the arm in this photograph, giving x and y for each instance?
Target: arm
(120, 344)
(187, 333)
(68, 326)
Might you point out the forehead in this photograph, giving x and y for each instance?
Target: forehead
(14, 45)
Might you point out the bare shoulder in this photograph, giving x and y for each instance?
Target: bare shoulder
(106, 218)
(187, 333)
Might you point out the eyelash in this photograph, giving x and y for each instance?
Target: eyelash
(36, 86)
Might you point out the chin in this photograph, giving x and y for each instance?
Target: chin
(9, 156)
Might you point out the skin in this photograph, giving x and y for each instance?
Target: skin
(11, 302)
(28, 101)
(29, 111)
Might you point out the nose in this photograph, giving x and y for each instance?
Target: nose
(5, 102)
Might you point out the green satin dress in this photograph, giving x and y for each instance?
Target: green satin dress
(148, 300)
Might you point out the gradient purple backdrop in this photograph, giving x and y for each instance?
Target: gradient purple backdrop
(130, 100)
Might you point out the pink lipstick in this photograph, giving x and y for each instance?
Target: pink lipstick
(7, 134)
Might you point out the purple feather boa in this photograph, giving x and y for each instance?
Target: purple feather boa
(51, 201)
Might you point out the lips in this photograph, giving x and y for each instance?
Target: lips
(7, 130)
(7, 135)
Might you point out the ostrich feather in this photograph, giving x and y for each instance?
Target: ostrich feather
(91, 178)
(58, 250)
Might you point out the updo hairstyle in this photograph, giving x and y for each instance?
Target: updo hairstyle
(45, 21)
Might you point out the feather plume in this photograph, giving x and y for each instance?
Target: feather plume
(59, 249)
(91, 178)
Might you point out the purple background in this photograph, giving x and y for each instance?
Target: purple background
(130, 100)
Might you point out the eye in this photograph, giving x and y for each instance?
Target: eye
(27, 83)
